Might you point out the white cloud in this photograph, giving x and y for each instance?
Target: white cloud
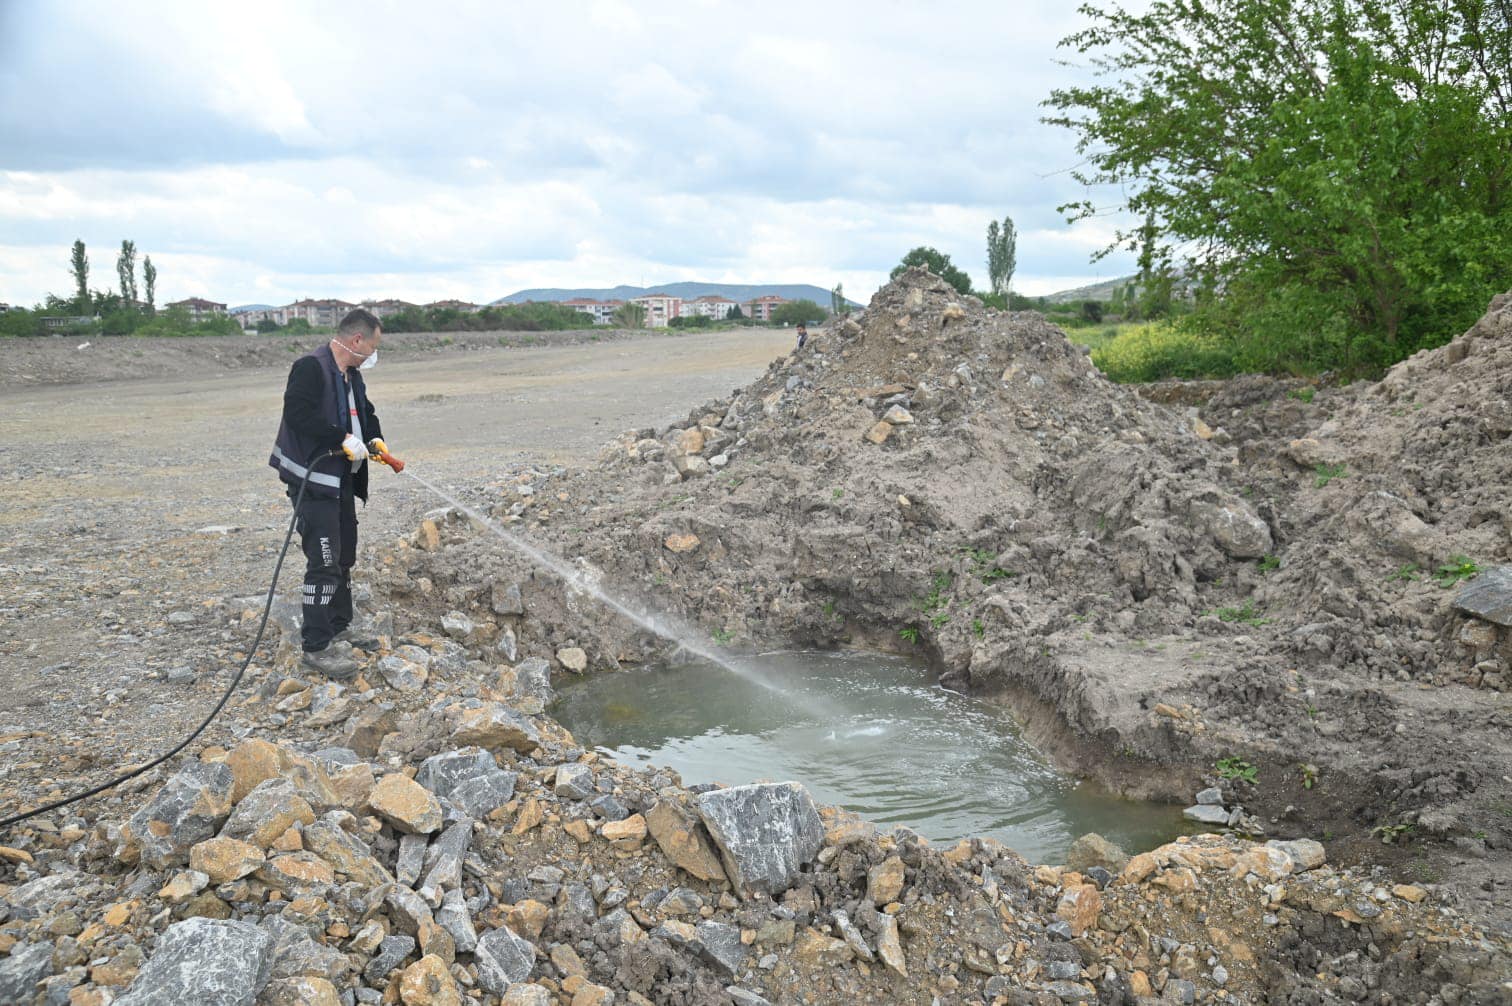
(262, 151)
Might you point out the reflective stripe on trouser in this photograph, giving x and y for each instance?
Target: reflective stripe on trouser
(328, 535)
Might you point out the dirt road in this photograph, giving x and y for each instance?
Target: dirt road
(133, 509)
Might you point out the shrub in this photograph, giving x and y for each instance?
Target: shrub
(1157, 351)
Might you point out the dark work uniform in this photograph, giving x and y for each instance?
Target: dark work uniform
(318, 413)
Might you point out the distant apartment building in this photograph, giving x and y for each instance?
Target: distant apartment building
(660, 308)
(761, 308)
(462, 306)
(708, 306)
(251, 318)
(601, 311)
(384, 308)
(199, 308)
(319, 313)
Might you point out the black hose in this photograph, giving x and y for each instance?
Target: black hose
(267, 608)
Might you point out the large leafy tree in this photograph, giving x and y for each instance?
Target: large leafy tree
(798, 311)
(1334, 167)
(936, 262)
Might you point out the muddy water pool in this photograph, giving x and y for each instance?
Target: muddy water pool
(864, 731)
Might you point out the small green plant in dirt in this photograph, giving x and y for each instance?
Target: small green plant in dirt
(1269, 563)
(977, 628)
(939, 619)
(829, 609)
(1459, 567)
(1392, 834)
(983, 566)
(836, 493)
(938, 597)
(1407, 572)
(1302, 394)
(1311, 710)
(1237, 769)
(722, 636)
(1424, 871)
(909, 634)
(1309, 775)
(1246, 612)
(1326, 473)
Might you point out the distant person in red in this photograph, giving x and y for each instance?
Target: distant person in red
(326, 413)
(802, 334)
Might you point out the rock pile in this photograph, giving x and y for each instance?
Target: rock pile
(1154, 591)
(507, 872)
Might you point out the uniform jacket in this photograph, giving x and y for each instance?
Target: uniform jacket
(315, 418)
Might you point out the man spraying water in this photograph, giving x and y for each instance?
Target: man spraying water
(329, 425)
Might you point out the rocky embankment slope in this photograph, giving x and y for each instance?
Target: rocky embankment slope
(1154, 592)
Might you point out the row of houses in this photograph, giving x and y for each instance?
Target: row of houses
(660, 308)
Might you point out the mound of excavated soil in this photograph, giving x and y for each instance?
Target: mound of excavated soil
(1152, 590)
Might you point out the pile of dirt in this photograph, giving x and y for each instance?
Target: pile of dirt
(1166, 597)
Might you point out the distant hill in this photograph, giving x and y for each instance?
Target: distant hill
(244, 308)
(687, 291)
(1097, 291)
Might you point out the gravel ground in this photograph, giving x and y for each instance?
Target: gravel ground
(140, 520)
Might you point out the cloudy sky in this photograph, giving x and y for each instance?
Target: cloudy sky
(264, 152)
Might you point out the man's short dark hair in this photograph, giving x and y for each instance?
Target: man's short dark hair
(359, 320)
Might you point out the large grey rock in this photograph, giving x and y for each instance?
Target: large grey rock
(443, 860)
(765, 833)
(1206, 813)
(1488, 596)
(22, 970)
(574, 781)
(469, 779)
(720, 946)
(208, 962)
(1231, 524)
(297, 955)
(38, 897)
(391, 953)
(503, 959)
(190, 808)
(454, 917)
(533, 680)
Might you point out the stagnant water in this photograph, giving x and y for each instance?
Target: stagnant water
(901, 750)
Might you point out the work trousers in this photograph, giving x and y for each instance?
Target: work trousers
(328, 533)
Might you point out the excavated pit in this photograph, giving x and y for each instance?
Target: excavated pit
(1151, 590)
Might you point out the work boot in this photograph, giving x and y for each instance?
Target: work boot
(356, 637)
(334, 662)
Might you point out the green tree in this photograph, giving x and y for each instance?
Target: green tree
(126, 270)
(1338, 170)
(936, 262)
(798, 311)
(736, 314)
(837, 300)
(149, 280)
(1002, 255)
(630, 315)
(79, 265)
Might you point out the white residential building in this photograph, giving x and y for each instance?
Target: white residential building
(601, 311)
(660, 308)
(709, 306)
(319, 313)
(199, 308)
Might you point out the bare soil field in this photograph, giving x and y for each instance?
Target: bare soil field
(134, 486)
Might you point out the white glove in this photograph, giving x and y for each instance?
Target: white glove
(354, 449)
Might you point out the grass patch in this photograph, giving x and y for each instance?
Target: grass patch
(1235, 768)
(1246, 612)
(1326, 473)
(1459, 567)
(1159, 350)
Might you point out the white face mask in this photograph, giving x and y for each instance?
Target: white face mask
(368, 362)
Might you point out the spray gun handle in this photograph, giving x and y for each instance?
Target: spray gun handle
(378, 450)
